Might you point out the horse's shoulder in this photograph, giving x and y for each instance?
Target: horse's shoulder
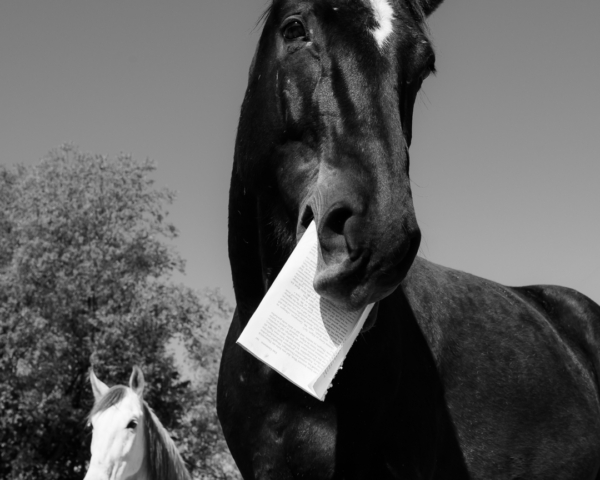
(460, 311)
(444, 294)
(574, 316)
(532, 350)
(561, 303)
(454, 289)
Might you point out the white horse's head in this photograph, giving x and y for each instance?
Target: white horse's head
(118, 442)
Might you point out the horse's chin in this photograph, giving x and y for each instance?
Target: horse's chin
(370, 321)
(348, 296)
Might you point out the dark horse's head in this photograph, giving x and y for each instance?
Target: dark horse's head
(323, 135)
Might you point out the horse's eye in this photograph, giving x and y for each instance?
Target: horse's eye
(294, 30)
(132, 424)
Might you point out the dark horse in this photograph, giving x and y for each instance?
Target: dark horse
(453, 376)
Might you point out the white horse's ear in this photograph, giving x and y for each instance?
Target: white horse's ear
(136, 382)
(98, 387)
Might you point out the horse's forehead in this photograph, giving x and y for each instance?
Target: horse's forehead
(382, 12)
(128, 407)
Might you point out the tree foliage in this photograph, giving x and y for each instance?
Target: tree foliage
(202, 347)
(85, 268)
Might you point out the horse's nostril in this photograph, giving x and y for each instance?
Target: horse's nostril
(336, 220)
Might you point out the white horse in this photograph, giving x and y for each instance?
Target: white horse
(128, 441)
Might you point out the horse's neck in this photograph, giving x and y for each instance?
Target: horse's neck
(164, 462)
(143, 474)
(140, 475)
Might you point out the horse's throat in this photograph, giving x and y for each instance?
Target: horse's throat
(141, 474)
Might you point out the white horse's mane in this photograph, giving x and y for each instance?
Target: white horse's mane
(162, 460)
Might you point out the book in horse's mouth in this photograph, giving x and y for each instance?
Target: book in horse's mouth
(298, 333)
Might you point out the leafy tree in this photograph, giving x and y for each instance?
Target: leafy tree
(85, 269)
(202, 347)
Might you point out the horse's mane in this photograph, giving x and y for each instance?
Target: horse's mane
(162, 459)
(263, 17)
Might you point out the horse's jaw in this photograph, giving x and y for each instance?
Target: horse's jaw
(371, 319)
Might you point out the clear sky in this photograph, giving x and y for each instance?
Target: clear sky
(506, 139)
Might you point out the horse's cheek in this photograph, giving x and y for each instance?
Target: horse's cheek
(135, 455)
(297, 82)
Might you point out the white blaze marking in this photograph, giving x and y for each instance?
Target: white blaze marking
(384, 14)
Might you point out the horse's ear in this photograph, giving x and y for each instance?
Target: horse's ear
(428, 6)
(136, 382)
(98, 387)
